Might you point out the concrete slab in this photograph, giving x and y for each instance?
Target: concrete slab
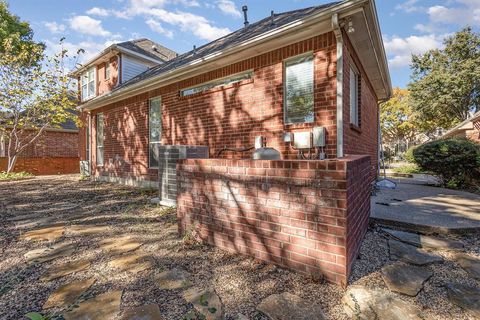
(427, 209)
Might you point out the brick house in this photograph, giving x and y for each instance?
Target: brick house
(54, 152)
(469, 129)
(307, 81)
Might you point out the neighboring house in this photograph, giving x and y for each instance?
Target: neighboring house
(469, 128)
(56, 151)
(307, 81)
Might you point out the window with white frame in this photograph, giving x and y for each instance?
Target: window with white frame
(3, 147)
(298, 89)
(155, 130)
(217, 83)
(107, 70)
(100, 139)
(88, 84)
(354, 96)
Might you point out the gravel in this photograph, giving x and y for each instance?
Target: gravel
(240, 282)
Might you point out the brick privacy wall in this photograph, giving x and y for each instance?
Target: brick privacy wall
(231, 116)
(44, 165)
(301, 214)
(362, 139)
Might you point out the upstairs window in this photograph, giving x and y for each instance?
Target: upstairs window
(354, 96)
(155, 131)
(100, 139)
(217, 83)
(298, 89)
(88, 84)
(107, 70)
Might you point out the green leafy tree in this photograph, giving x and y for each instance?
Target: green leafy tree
(398, 120)
(18, 33)
(446, 82)
(33, 97)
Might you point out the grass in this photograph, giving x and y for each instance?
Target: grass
(408, 169)
(4, 176)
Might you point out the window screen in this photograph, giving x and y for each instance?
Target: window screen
(155, 130)
(107, 70)
(299, 90)
(217, 83)
(100, 139)
(88, 84)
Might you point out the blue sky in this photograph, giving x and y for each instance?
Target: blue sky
(408, 26)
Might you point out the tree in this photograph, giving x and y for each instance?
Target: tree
(446, 82)
(398, 120)
(18, 33)
(33, 96)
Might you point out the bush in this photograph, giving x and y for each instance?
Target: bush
(14, 176)
(409, 154)
(455, 161)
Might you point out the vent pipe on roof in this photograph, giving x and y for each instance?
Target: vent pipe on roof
(245, 16)
(194, 49)
(272, 17)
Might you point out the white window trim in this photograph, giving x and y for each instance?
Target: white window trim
(103, 139)
(204, 84)
(161, 127)
(354, 95)
(107, 70)
(284, 66)
(88, 97)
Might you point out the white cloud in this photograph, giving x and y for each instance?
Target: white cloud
(91, 48)
(54, 27)
(228, 7)
(468, 14)
(400, 50)
(409, 6)
(157, 27)
(87, 25)
(96, 11)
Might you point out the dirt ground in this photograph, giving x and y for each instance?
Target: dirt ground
(240, 282)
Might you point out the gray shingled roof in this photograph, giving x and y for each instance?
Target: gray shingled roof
(146, 47)
(230, 40)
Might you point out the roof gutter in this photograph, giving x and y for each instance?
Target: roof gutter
(340, 9)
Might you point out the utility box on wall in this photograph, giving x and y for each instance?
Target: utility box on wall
(167, 168)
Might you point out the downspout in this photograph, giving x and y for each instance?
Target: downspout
(338, 35)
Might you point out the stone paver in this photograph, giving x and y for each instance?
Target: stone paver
(50, 233)
(102, 307)
(49, 253)
(405, 278)
(68, 294)
(88, 230)
(469, 264)
(287, 306)
(147, 312)
(467, 298)
(366, 304)
(65, 269)
(408, 253)
(206, 302)
(119, 244)
(173, 279)
(134, 262)
(425, 241)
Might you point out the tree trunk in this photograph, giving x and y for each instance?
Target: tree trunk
(11, 163)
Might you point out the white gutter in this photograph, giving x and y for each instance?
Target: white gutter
(188, 69)
(338, 35)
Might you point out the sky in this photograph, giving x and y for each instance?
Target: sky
(408, 26)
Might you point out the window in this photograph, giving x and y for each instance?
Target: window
(155, 130)
(100, 139)
(3, 147)
(354, 96)
(298, 88)
(217, 83)
(88, 84)
(107, 70)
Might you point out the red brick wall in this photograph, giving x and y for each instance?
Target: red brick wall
(44, 165)
(230, 117)
(362, 139)
(53, 144)
(306, 215)
(106, 85)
